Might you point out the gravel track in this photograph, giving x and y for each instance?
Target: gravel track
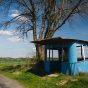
(6, 82)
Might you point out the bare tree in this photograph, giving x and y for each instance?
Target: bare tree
(43, 17)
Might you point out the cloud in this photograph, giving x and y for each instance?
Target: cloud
(17, 13)
(14, 39)
(14, 13)
(6, 32)
(11, 35)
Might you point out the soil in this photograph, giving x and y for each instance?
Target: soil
(6, 82)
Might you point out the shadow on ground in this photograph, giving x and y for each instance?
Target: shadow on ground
(38, 69)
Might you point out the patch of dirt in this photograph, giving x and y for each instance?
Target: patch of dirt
(49, 76)
(6, 82)
(63, 82)
(53, 75)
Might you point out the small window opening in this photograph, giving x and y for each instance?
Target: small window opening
(82, 52)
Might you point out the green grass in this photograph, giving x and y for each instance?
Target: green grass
(31, 80)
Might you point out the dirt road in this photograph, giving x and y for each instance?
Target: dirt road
(6, 82)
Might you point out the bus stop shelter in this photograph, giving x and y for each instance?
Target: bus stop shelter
(67, 61)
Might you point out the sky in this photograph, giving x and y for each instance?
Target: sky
(13, 46)
(78, 28)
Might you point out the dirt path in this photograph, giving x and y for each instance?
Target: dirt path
(6, 82)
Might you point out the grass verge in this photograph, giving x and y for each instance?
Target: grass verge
(22, 73)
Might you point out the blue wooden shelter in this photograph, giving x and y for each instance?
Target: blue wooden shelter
(68, 50)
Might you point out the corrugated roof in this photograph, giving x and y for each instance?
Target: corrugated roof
(58, 40)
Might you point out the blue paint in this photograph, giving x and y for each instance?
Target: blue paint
(46, 62)
(69, 68)
(82, 66)
(72, 66)
(51, 66)
(47, 66)
(72, 53)
(66, 67)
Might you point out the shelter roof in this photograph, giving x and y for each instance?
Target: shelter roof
(58, 40)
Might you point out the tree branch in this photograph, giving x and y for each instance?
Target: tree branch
(68, 15)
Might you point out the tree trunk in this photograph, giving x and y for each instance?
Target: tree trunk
(39, 48)
(39, 52)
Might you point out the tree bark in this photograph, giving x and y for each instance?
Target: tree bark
(39, 52)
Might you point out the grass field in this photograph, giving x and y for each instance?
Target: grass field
(19, 69)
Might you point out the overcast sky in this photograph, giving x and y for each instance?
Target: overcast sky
(13, 46)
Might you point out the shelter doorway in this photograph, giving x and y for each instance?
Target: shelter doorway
(56, 57)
